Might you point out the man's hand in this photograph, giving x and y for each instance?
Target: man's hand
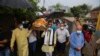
(98, 41)
(78, 49)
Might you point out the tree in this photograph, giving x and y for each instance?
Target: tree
(57, 7)
(21, 12)
(43, 9)
(80, 11)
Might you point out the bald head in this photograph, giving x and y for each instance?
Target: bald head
(79, 27)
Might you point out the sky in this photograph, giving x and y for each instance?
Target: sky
(70, 3)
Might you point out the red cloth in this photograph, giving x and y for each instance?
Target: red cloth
(87, 35)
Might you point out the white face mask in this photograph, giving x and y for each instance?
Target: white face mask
(61, 28)
(21, 26)
(79, 31)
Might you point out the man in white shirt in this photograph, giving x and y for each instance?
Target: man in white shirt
(62, 35)
(32, 43)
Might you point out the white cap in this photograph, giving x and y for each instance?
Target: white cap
(39, 13)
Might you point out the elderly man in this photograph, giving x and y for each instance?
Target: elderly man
(76, 42)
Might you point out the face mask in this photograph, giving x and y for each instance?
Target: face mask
(21, 26)
(79, 31)
(61, 28)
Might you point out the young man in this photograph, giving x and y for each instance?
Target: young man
(62, 35)
(20, 35)
(49, 41)
(76, 42)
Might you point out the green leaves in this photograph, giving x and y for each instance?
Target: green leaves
(21, 12)
(57, 7)
(80, 11)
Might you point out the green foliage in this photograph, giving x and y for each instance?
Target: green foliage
(80, 11)
(21, 12)
(57, 7)
(43, 9)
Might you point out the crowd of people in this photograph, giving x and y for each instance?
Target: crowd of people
(57, 40)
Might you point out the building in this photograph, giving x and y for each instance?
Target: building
(61, 8)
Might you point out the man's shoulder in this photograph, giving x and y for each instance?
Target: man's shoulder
(65, 29)
(16, 29)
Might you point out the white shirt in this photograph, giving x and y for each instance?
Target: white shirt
(62, 34)
(32, 38)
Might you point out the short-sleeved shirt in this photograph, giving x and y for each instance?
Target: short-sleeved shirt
(62, 35)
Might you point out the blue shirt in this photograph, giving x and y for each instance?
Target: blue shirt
(76, 40)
